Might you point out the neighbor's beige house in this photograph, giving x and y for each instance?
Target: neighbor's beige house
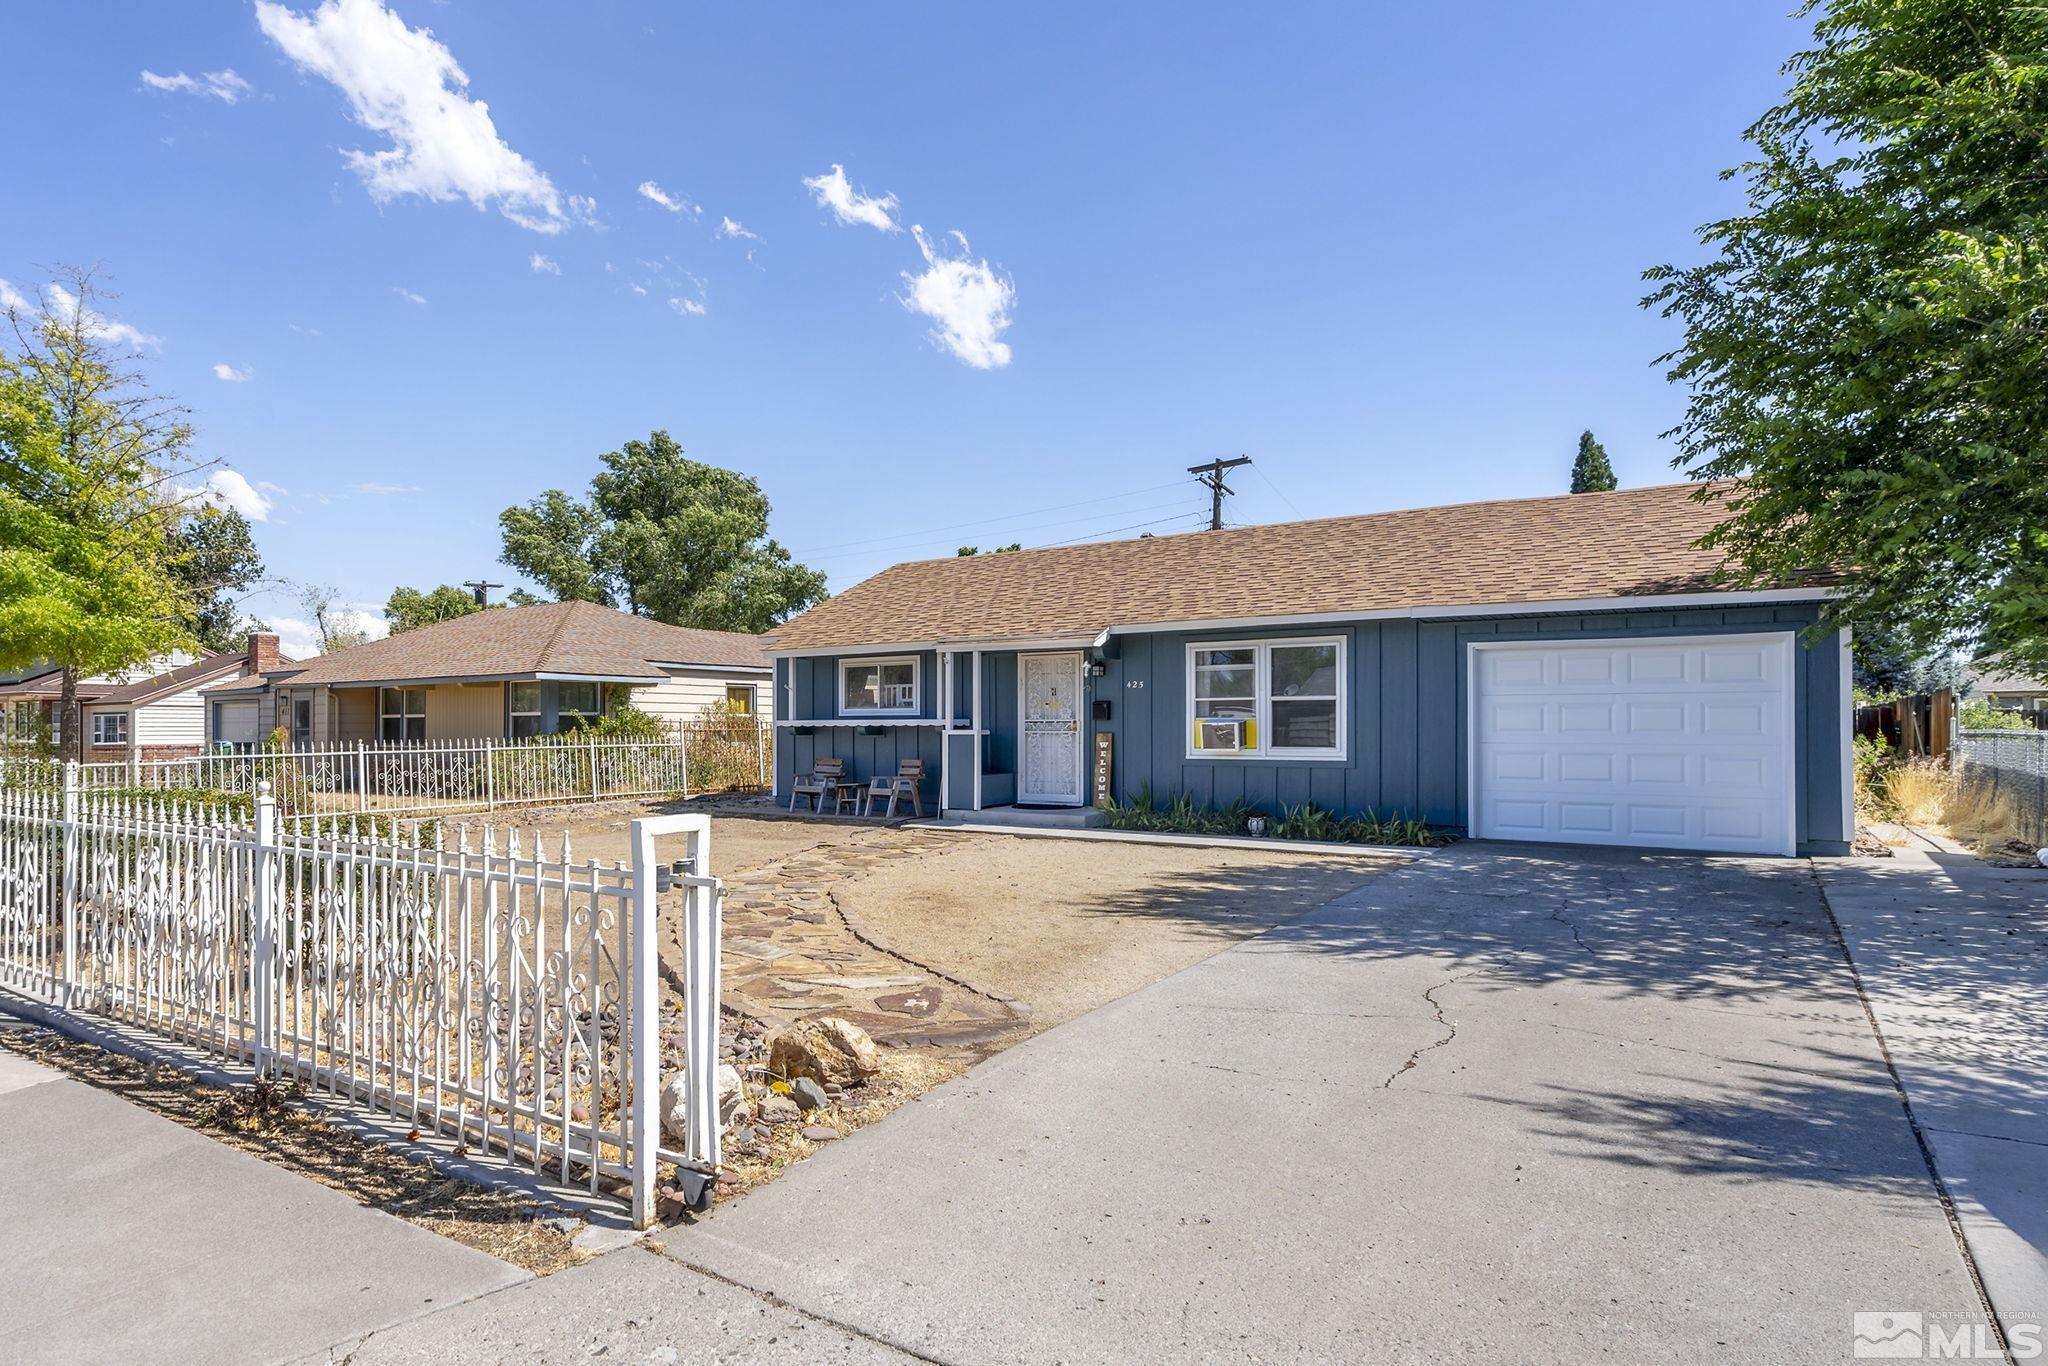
(503, 673)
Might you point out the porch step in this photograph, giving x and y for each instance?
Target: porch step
(1048, 818)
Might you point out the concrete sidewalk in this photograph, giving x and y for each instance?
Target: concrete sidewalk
(1953, 953)
(126, 1237)
(1535, 1105)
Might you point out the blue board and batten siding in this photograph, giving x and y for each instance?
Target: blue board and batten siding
(1406, 715)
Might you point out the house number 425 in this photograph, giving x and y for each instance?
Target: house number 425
(1134, 682)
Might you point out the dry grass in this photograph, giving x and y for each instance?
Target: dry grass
(267, 1122)
(1990, 825)
(906, 1074)
(1921, 791)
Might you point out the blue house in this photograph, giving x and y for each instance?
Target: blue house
(1566, 669)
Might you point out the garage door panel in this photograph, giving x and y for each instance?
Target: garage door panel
(1680, 744)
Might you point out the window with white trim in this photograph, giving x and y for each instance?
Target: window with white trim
(1275, 699)
(110, 727)
(578, 705)
(401, 714)
(739, 700)
(524, 705)
(879, 687)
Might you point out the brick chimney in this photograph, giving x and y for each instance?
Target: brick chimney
(262, 652)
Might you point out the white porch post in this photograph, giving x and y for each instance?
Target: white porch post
(946, 711)
(974, 720)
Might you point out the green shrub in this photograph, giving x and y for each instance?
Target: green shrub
(1977, 714)
(1874, 760)
(1183, 815)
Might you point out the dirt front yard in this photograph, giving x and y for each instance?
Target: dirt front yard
(967, 941)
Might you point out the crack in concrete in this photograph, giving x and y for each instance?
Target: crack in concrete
(1437, 1011)
(1557, 914)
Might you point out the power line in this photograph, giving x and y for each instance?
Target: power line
(1276, 488)
(1092, 535)
(1014, 531)
(986, 521)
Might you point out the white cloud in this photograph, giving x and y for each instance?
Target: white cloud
(222, 370)
(833, 191)
(540, 264)
(637, 289)
(228, 489)
(728, 228)
(386, 490)
(674, 203)
(968, 300)
(402, 82)
(583, 209)
(225, 86)
(63, 304)
(402, 292)
(690, 307)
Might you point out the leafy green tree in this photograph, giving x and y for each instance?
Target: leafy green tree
(1866, 351)
(999, 550)
(88, 559)
(214, 557)
(665, 537)
(1590, 472)
(408, 609)
(1885, 668)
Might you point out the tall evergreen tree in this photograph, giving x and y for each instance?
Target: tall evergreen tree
(1590, 472)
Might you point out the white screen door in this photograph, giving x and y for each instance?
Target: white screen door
(1049, 750)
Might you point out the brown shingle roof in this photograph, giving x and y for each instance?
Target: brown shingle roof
(577, 638)
(1626, 543)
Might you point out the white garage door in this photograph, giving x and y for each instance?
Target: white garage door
(237, 723)
(1675, 743)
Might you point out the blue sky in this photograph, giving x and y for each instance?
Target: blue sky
(1391, 252)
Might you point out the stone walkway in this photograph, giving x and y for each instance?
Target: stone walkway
(791, 954)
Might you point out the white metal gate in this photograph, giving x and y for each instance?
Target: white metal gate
(1049, 711)
(496, 991)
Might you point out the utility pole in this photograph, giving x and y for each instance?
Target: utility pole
(480, 590)
(1212, 475)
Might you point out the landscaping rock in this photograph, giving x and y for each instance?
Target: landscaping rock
(827, 1050)
(807, 1094)
(780, 1110)
(732, 1103)
(818, 1133)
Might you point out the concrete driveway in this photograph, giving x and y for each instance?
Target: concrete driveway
(1530, 1104)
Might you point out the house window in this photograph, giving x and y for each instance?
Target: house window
(524, 704)
(402, 713)
(578, 704)
(110, 727)
(1276, 699)
(878, 687)
(739, 699)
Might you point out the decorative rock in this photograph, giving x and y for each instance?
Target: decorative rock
(818, 1133)
(781, 1110)
(732, 1103)
(807, 1094)
(827, 1049)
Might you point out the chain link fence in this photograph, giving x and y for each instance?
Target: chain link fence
(2009, 766)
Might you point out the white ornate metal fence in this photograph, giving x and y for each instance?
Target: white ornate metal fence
(2009, 766)
(488, 988)
(458, 775)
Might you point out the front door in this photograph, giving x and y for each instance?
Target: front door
(1049, 751)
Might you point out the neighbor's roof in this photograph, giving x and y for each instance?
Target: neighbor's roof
(1628, 543)
(578, 639)
(201, 670)
(1993, 678)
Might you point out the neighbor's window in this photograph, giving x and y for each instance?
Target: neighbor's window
(578, 704)
(873, 687)
(1270, 698)
(524, 703)
(402, 714)
(739, 699)
(110, 727)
